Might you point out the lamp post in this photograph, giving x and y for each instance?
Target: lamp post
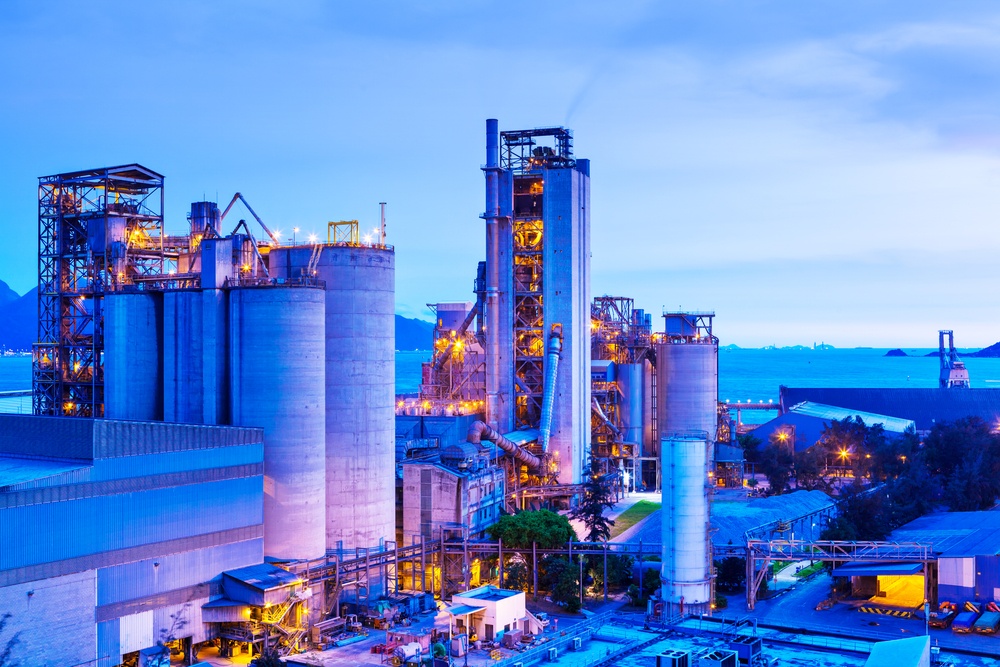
(295, 230)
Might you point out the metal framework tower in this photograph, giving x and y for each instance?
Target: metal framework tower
(99, 231)
(525, 161)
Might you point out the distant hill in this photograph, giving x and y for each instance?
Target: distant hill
(413, 334)
(896, 353)
(18, 319)
(7, 294)
(991, 352)
(19, 324)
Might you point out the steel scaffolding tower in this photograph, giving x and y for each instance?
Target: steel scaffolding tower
(98, 231)
(526, 161)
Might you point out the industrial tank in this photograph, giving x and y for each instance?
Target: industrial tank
(133, 365)
(360, 387)
(183, 389)
(195, 389)
(277, 383)
(636, 404)
(686, 571)
(687, 385)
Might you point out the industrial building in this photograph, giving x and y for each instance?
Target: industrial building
(115, 533)
(285, 354)
(803, 425)
(966, 550)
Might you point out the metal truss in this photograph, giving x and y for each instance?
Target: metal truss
(766, 551)
(98, 231)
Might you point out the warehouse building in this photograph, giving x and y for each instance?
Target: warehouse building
(116, 533)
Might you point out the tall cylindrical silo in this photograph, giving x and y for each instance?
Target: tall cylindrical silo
(632, 385)
(183, 389)
(686, 571)
(687, 386)
(133, 363)
(277, 381)
(360, 387)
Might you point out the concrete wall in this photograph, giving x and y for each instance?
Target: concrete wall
(566, 294)
(436, 497)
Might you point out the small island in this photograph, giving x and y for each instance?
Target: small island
(896, 353)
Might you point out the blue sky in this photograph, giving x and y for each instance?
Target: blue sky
(821, 171)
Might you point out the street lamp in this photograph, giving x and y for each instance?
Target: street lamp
(295, 230)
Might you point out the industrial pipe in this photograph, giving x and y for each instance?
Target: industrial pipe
(554, 351)
(492, 314)
(604, 418)
(481, 430)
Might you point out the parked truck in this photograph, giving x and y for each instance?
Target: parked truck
(943, 617)
(988, 623)
(964, 621)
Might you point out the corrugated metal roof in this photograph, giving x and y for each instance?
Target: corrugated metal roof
(18, 470)
(732, 520)
(925, 407)
(831, 412)
(955, 534)
(263, 577)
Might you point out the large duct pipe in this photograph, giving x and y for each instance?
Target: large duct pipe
(480, 431)
(492, 313)
(549, 394)
(604, 418)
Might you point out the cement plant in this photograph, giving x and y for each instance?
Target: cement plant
(218, 469)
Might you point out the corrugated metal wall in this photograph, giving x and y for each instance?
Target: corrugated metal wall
(136, 632)
(108, 643)
(104, 523)
(141, 578)
(988, 578)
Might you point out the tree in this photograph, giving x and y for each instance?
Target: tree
(751, 446)
(267, 658)
(7, 653)
(560, 575)
(597, 497)
(776, 464)
(731, 573)
(546, 528)
(809, 466)
(516, 577)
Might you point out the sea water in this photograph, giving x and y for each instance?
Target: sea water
(745, 375)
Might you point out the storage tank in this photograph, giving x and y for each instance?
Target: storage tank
(360, 387)
(277, 383)
(195, 386)
(133, 365)
(183, 389)
(686, 572)
(687, 385)
(636, 404)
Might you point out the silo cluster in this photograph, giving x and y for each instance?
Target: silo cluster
(301, 346)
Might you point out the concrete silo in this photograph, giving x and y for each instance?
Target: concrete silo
(360, 385)
(277, 383)
(687, 385)
(133, 361)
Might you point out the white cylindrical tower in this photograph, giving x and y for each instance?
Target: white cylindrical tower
(133, 362)
(360, 336)
(686, 571)
(277, 379)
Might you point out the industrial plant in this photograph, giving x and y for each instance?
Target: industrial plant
(218, 457)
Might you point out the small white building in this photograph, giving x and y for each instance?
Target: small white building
(488, 612)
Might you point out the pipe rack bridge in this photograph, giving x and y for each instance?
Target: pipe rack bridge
(765, 551)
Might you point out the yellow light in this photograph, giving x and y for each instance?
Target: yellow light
(76, 365)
